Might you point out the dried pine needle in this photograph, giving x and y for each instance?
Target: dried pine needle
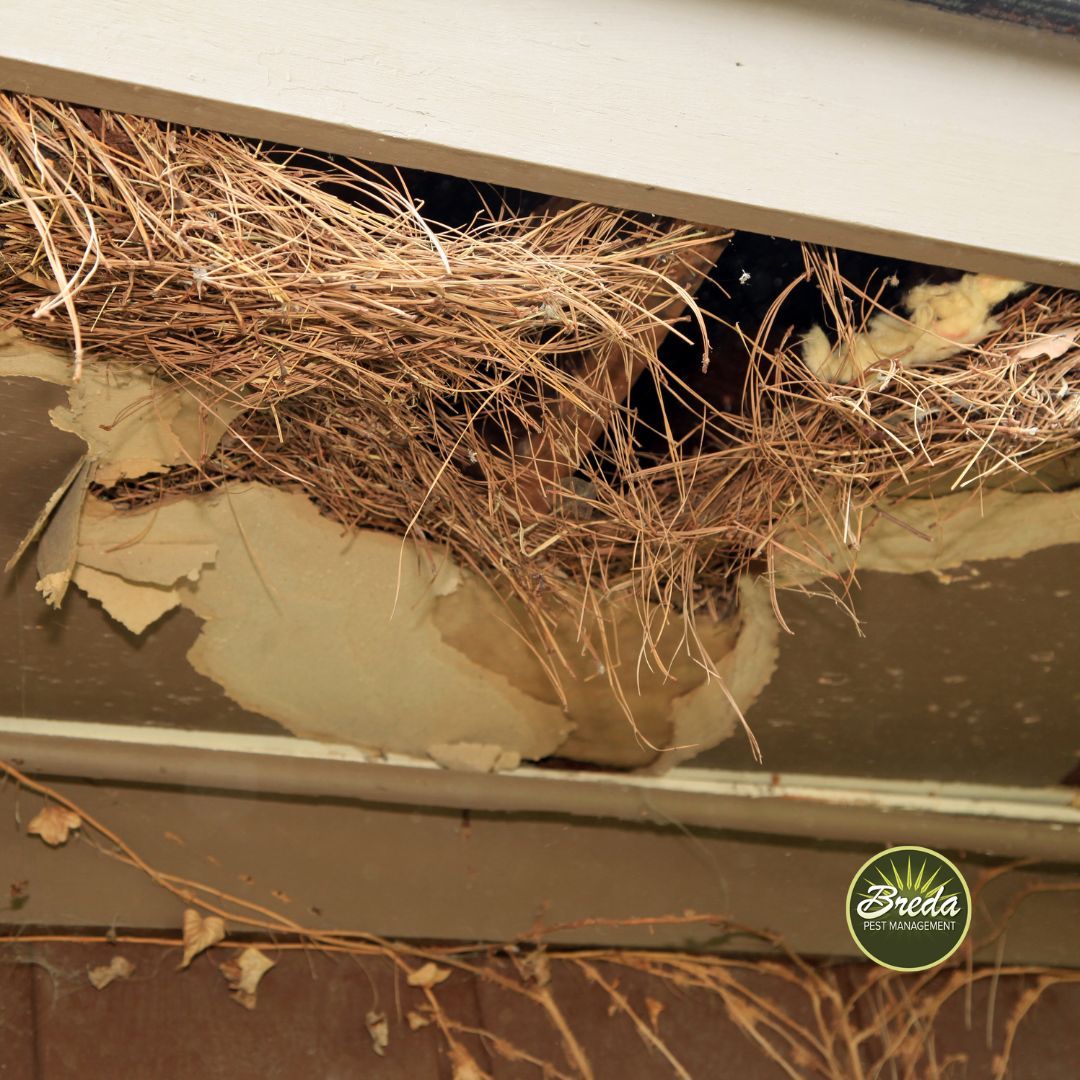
(398, 371)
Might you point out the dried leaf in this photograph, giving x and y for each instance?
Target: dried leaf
(244, 973)
(534, 967)
(655, 1009)
(538, 966)
(416, 1020)
(379, 1030)
(1049, 345)
(200, 934)
(465, 1067)
(60, 539)
(53, 824)
(117, 968)
(20, 894)
(429, 975)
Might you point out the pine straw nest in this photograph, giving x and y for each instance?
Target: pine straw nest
(435, 381)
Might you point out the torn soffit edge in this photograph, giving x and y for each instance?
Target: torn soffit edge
(133, 423)
(743, 673)
(329, 634)
(672, 706)
(938, 534)
(135, 606)
(59, 542)
(345, 637)
(367, 639)
(360, 638)
(355, 637)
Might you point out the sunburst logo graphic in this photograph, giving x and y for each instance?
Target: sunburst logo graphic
(908, 908)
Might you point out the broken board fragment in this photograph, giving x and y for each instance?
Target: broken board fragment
(57, 551)
(135, 606)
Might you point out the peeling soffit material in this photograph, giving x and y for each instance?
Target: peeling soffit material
(943, 533)
(59, 542)
(366, 639)
(78, 471)
(745, 671)
(682, 704)
(133, 423)
(358, 637)
(329, 634)
(135, 606)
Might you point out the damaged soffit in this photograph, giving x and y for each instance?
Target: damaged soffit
(355, 637)
(360, 638)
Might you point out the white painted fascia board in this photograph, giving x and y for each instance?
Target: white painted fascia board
(872, 124)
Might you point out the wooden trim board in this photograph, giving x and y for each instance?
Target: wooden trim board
(423, 873)
(872, 124)
(1041, 823)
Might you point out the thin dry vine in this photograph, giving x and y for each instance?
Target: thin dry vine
(884, 1022)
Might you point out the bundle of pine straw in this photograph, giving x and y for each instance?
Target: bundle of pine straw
(409, 376)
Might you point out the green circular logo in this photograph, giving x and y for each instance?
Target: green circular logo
(908, 908)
